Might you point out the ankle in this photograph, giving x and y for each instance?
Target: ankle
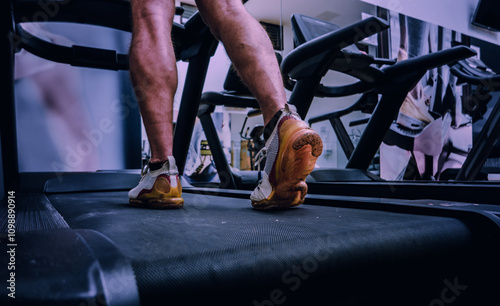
(156, 165)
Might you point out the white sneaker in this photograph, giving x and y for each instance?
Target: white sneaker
(158, 189)
(291, 151)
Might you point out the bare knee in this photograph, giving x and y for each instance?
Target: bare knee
(222, 14)
(152, 12)
(152, 24)
(146, 6)
(151, 49)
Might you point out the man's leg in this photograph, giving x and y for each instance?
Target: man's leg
(153, 72)
(250, 50)
(292, 148)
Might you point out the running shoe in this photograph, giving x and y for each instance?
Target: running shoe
(291, 152)
(159, 188)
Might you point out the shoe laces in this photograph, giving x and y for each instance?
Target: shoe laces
(259, 157)
(262, 154)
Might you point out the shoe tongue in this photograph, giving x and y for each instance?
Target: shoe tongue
(156, 166)
(275, 120)
(172, 166)
(268, 130)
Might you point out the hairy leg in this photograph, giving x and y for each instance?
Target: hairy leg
(153, 71)
(250, 50)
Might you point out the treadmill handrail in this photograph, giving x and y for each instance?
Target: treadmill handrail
(330, 43)
(74, 55)
(189, 38)
(376, 77)
(400, 71)
(228, 99)
(466, 74)
(343, 111)
(430, 61)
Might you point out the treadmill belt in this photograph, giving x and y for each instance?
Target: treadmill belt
(33, 212)
(220, 249)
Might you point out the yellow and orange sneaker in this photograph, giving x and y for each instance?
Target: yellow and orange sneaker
(159, 188)
(291, 152)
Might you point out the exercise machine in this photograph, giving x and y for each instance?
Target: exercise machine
(82, 245)
(235, 95)
(194, 44)
(322, 47)
(486, 81)
(392, 82)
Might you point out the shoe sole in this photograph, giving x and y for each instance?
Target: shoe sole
(158, 197)
(171, 203)
(298, 155)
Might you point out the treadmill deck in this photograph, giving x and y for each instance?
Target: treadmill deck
(221, 249)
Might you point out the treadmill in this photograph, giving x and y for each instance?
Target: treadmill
(78, 242)
(321, 47)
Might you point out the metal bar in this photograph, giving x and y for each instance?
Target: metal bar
(471, 192)
(190, 101)
(342, 136)
(429, 168)
(383, 38)
(8, 114)
(303, 94)
(483, 146)
(223, 170)
(75, 55)
(376, 128)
